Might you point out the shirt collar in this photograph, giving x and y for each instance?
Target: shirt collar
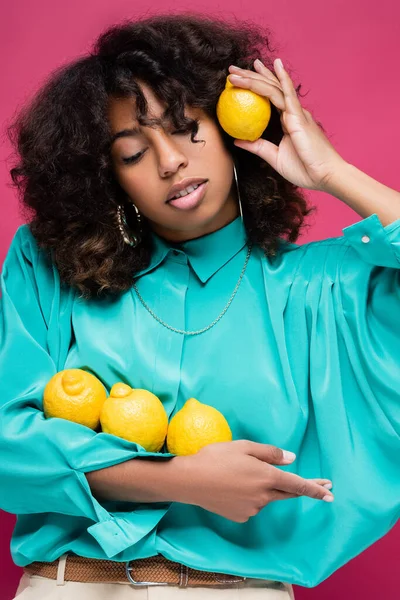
(206, 254)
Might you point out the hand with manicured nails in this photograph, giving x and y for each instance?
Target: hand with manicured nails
(305, 156)
(237, 479)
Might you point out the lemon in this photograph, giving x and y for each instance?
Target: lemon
(75, 395)
(195, 426)
(243, 114)
(136, 415)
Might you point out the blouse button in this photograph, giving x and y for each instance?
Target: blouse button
(365, 239)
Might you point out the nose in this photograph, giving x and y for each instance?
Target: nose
(170, 156)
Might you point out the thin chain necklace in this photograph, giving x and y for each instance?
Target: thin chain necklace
(216, 320)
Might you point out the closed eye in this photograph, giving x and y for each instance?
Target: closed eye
(136, 157)
(132, 159)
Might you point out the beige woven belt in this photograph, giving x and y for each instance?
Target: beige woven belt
(155, 570)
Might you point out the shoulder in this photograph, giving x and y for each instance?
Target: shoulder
(23, 247)
(28, 265)
(322, 256)
(364, 245)
(315, 246)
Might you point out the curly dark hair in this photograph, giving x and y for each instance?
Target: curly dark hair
(63, 174)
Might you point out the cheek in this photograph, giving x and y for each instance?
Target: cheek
(136, 183)
(217, 153)
(218, 162)
(144, 194)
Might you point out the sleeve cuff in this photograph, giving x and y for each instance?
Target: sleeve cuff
(374, 243)
(124, 529)
(115, 532)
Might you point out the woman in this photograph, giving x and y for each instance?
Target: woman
(199, 296)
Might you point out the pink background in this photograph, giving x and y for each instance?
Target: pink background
(346, 56)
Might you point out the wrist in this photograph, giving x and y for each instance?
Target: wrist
(176, 479)
(334, 181)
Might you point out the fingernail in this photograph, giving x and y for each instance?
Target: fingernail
(288, 455)
(235, 77)
(279, 63)
(328, 498)
(258, 61)
(327, 485)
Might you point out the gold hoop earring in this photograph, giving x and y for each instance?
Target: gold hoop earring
(134, 239)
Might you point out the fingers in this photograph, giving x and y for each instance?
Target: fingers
(266, 452)
(261, 68)
(277, 495)
(293, 484)
(327, 483)
(292, 102)
(283, 481)
(274, 495)
(258, 85)
(278, 88)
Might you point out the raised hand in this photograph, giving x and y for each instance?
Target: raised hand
(305, 156)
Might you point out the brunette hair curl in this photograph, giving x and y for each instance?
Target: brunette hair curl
(63, 173)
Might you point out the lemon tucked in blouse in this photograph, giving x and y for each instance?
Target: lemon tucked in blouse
(305, 358)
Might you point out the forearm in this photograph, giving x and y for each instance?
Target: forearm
(139, 480)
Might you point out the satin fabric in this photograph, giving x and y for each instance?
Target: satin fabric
(305, 358)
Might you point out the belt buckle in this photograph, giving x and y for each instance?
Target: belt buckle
(183, 578)
(128, 570)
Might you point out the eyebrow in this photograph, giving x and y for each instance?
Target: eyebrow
(132, 132)
(135, 131)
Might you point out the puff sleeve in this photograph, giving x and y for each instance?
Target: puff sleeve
(354, 354)
(341, 301)
(370, 319)
(43, 461)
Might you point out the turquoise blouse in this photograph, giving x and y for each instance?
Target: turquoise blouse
(306, 358)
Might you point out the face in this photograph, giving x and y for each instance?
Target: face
(165, 158)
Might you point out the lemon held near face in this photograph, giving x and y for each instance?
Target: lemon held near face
(243, 114)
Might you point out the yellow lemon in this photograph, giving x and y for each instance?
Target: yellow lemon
(243, 114)
(195, 426)
(135, 415)
(75, 395)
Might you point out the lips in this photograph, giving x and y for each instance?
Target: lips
(178, 187)
(191, 200)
